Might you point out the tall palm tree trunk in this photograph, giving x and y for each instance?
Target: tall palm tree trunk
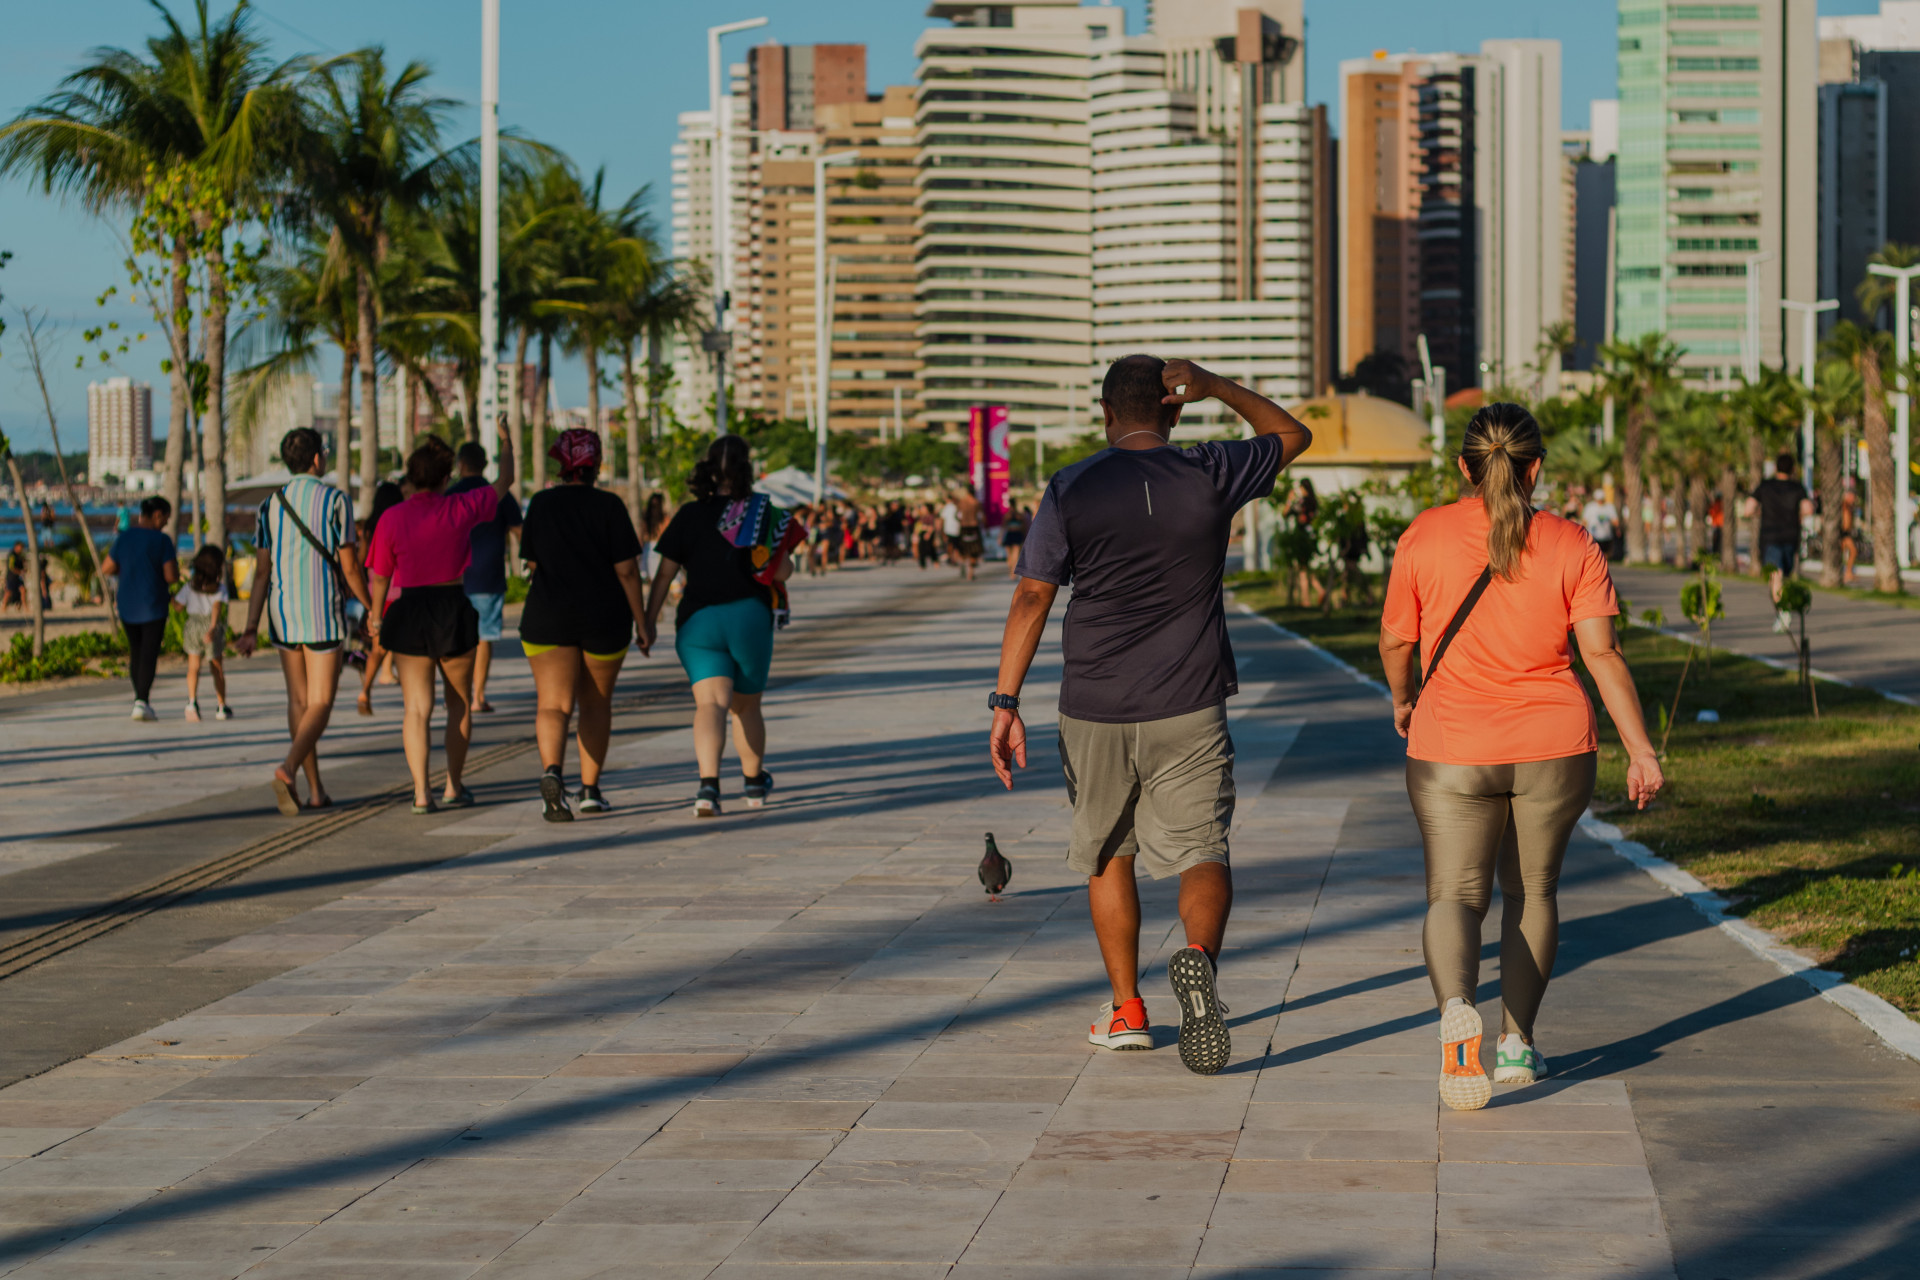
(213, 425)
(343, 430)
(1880, 477)
(542, 412)
(1657, 522)
(632, 401)
(369, 387)
(1632, 483)
(179, 388)
(1832, 486)
(517, 411)
(656, 376)
(35, 609)
(1730, 516)
(590, 355)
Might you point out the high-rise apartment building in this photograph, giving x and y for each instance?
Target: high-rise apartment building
(1453, 208)
(1869, 100)
(1207, 170)
(1717, 175)
(1005, 273)
(119, 429)
(1593, 218)
(870, 218)
(787, 84)
(697, 235)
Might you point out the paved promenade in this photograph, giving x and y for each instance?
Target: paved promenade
(1863, 641)
(800, 1044)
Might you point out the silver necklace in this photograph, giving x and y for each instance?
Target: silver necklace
(1131, 434)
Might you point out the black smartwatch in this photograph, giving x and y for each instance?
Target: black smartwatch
(1003, 702)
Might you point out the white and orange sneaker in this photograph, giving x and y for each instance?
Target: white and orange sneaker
(1463, 1081)
(1122, 1027)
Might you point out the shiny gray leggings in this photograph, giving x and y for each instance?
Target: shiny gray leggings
(1515, 818)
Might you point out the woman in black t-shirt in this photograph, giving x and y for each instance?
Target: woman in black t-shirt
(582, 604)
(723, 631)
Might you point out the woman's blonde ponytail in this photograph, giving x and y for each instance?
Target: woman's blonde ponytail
(1502, 444)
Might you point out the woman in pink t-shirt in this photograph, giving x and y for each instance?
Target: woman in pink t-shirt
(1501, 748)
(422, 547)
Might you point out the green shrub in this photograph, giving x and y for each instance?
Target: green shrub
(70, 655)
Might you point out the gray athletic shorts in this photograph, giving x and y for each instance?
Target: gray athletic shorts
(1158, 790)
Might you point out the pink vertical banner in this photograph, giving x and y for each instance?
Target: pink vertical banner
(990, 460)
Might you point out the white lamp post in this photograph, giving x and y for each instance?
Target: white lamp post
(1750, 340)
(1902, 447)
(1809, 313)
(483, 429)
(721, 161)
(822, 316)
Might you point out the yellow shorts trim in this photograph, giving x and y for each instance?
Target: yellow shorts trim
(535, 650)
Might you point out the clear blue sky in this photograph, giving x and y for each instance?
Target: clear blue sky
(604, 81)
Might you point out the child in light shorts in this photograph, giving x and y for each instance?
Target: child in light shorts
(202, 602)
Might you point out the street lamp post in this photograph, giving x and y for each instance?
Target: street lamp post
(822, 316)
(721, 161)
(1902, 446)
(1750, 340)
(482, 429)
(1809, 313)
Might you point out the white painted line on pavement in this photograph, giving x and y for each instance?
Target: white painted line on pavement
(1898, 1031)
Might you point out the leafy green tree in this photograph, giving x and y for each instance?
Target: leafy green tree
(1638, 374)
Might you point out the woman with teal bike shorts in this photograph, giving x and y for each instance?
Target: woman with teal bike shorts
(733, 545)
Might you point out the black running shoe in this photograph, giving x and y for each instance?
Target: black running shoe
(1205, 1044)
(706, 802)
(553, 798)
(591, 801)
(758, 789)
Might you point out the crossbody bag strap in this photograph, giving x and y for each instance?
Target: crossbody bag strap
(1453, 628)
(339, 574)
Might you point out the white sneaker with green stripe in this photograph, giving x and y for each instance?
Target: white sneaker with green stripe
(1517, 1062)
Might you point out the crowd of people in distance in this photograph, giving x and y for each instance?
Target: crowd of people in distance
(949, 532)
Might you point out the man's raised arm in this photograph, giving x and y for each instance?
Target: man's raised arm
(1187, 382)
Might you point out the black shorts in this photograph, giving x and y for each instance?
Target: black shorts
(431, 622)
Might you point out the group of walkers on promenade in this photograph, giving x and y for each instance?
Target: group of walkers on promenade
(1501, 736)
(950, 532)
(1481, 600)
(421, 583)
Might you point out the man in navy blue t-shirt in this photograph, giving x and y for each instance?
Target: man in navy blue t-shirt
(485, 581)
(1141, 530)
(148, 567)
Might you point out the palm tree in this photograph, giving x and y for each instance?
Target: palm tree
(1835, 397)
(309, 301)
(372, 154)
(1551, 353)
(663, 301)
(1874, 293)
(184, 139)
(1638, 373)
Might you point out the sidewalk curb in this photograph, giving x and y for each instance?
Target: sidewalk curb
(1899, 1032)
(1895, 1029)
(1680, 634)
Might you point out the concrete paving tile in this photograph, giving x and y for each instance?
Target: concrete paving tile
(964, 1115)
(65, 1266)
(857, 1225)
(1406, 1117)
(1136, 1144)
(595, 1248)
(716, 1175)
(1337, 1144)
(1546, 1117)
(190, 1202)
(754, 1114)
(1059, 1226)
(932, 1175)
(1630, 1215)
(380, 1243)
(1308, 1273)
(56, 1115)
(492, 1140)
(658, 1065)
(212, 1113)
(51, 1171)
(738, 1144)
(789, 1086)
(217, 1245)
(20, 1143)
(1544, 1179)
(736, 1270)
(643, 1205)
(1288, 1246)
(291, 1088)
(962, 1146)
(203, 1145)
(1166, 1116)
(1316, 1177)
(1144, 1176)
(1502, 1251)
(1622, 1148)
(36, 1206)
